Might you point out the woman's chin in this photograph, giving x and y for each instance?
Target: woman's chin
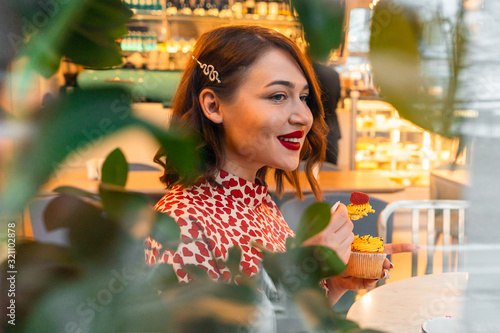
(287, 167)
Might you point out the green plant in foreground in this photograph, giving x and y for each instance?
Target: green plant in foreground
(100, 283)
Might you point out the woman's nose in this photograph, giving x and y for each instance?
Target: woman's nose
(300, 114)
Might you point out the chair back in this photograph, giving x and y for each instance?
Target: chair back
(292, 211)
(40, 232)
(142, 167)
(440, 211)
(326, 166)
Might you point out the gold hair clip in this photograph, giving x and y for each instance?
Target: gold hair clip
(209, 70)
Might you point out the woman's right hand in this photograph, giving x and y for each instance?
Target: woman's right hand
(337, 235)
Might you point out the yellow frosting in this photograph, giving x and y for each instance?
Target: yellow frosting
(358, 211)
(367, 244)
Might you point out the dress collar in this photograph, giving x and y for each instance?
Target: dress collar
(251, 194)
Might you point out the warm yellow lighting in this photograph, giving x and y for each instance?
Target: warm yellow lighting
(466, 113)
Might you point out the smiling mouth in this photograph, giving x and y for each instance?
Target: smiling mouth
(291, 140)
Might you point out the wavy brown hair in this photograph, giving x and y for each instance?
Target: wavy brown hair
(232, 50)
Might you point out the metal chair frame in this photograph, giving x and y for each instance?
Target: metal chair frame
(447, 206)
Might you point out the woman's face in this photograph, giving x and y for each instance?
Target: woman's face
(267, 121)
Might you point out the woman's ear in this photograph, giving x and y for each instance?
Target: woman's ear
(210, 105)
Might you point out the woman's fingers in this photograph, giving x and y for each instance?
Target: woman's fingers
(399, 247)
(337, 235)
(338, 219)
(345, 231)
(387, 264)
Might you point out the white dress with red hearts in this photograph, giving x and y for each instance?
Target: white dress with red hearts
(213, 219)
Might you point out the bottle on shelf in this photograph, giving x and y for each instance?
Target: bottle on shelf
(199, 8)
(211, 8)
(225, 9)
(184, 8)
(171, 7)
(273, 8)
(148, 6)
(142, 8)
(249, 7)
(134, 5)
(284, 8)
(262, 7)
(237, 8)
(139, 39)
(156, 7)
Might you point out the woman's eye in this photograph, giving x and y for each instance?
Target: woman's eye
(278, 97)
(304, 98)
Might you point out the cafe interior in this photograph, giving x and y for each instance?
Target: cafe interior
(427, 187)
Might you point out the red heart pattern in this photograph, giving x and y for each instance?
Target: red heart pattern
(213, 219)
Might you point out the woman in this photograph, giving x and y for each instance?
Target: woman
(252, 96)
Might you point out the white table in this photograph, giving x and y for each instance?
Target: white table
(403, 306)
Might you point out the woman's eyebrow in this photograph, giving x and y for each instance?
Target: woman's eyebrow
(285, 83)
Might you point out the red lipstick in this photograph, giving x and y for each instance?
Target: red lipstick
(291, 140)
(293, 135)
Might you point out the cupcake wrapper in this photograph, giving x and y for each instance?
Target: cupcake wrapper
(365, 265)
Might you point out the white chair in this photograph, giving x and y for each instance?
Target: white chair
(438, 211)
(36, 210)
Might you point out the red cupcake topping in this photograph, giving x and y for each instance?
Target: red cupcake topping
(359, 198)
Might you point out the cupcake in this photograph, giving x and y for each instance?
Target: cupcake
(359, 206)
(367, 257)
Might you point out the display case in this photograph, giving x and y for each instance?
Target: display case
(393, 146)
(162, 33)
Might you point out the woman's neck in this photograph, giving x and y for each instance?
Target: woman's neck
(246, 172)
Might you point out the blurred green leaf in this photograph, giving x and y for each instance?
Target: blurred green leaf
(91, 234)
(323, 22)
(302, 267)
(196, 273)
(128, 208)
(166, 231)
(234, 260)
(94, 303)
(396, 34)
(60, 211)
(42, 268)
(209, 306)
(395, 58)
(92, 42)
(74, 122)
(314, 219)
(320, 317)
(115, 169)
(182, 150)
(84, 31)
(162, 277)
(328, 260)
(291, 242)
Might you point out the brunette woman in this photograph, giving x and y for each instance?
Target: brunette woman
(252, 97)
